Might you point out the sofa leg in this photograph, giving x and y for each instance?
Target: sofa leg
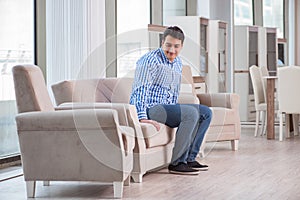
(234, 145)
(118, 189)
(46, 183)
(137, 177)
(30, 189)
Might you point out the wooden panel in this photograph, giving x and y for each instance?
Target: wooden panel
(156, 28)
(204, 21)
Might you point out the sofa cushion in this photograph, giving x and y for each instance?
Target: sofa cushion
(155, 138)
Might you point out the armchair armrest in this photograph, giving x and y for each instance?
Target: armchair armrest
(67, 120)
(119, 107)
(226, 100)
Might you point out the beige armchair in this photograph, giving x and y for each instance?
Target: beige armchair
(68, 145)
(225, 123)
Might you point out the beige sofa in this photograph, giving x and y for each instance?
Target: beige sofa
(152, 149)
(68, 145)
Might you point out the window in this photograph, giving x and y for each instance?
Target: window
(173, 8)
(243, 12)
(273, 15)
(17, 44)
(133, 17)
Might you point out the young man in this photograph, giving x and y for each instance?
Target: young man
(155, 94)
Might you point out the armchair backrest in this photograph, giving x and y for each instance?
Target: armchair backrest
(30, 89)
(187, 79)
(187, 91)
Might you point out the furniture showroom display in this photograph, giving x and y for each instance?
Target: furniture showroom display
(253, 45)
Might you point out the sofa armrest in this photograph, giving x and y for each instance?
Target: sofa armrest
(226, 100)
(63, 91)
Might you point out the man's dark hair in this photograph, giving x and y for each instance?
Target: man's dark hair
(175, 32)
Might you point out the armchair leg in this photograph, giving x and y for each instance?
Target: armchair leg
(118, 189)
(127, 181)
(137, 177)
(30, 189)
(234, 145)
(46, 183)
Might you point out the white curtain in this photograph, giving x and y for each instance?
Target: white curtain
(75, 31)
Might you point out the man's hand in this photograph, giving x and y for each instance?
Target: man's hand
(154, 123)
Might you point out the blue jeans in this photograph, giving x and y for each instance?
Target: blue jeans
(192, 121)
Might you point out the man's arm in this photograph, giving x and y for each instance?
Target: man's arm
(143, 79)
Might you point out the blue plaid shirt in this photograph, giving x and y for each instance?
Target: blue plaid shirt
(157, 81)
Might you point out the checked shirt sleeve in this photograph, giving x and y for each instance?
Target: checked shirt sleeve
(140, 94)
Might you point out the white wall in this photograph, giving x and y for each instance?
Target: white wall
(297, 33)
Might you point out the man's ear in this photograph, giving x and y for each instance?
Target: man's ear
(162, 42)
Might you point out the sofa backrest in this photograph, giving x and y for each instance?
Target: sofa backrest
(113, 90)
(110, 90)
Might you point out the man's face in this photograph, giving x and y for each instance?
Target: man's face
(172, 47)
